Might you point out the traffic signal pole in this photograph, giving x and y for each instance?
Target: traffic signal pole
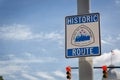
(85, 63)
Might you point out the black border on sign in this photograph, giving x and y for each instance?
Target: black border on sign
(66, 36)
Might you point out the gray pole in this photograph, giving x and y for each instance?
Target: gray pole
(82, 6)
(85, 63)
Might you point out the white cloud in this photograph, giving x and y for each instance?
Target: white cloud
(117, 2)
(17, 60)
(28, 54)
(118, 37)
(16, 31)
(30, 77)
(105, 42)
(60, 74)
(11, 69)
(52, 35)
(105, 59)
(43, 50)
(108, 39)
(18, 64)
(13, 77)
(23, 32)
(45, 76)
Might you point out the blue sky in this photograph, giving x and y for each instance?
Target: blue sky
(32, 42)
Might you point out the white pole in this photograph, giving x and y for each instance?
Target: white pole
(85, 63)
(111, 58)
(112, 53)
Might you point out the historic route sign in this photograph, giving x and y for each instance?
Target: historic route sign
(82, 35)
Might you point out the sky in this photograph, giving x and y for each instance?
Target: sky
(32, 38)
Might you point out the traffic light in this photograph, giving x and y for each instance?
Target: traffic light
(68, 72)
(105, 73)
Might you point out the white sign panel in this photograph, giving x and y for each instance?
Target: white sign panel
(82, 35)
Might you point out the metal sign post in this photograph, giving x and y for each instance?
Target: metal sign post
(85, 64)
